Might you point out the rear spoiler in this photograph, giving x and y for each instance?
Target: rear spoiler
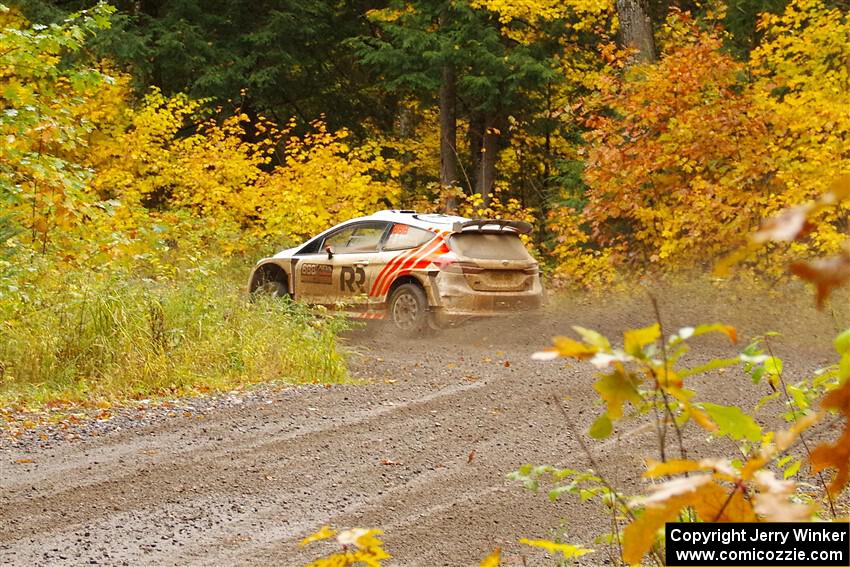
(491, 226)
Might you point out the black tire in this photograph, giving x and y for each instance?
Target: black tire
(408, 309)
(273, 288)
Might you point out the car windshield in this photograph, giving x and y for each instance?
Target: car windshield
(488, 246)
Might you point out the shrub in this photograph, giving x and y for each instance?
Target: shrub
(77, 336)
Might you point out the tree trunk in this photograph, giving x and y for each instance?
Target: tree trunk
(485, 177)
(405, 127)
(636, 29)
(476, 143)
(448, 133)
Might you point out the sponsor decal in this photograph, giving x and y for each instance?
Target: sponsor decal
(415, 259)
(352, 279)
(317, 273)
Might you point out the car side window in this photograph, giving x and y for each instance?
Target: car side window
(311, 248)
(403, 236)
(358, 238)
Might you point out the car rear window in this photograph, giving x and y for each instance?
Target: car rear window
(484, 246)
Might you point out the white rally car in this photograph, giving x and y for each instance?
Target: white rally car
(414, 269)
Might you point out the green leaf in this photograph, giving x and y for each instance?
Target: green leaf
(844, 366)
(792, 470)
(711, 365)
(602, 427)
(617, 388)
(686, 333)
(799, 397)
(773, 365)
(733, 422)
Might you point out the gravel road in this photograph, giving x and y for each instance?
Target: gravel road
(420, 448)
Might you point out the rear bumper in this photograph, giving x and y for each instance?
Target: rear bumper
(452, 297)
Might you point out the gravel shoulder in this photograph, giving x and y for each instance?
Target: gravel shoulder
(420, 449)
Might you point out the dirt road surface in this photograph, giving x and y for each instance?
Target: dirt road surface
(421, 449)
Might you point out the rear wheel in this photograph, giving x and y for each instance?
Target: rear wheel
(408, 309)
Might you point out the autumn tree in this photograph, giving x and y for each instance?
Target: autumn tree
(457, 54)
(287, 56)
(636, 28)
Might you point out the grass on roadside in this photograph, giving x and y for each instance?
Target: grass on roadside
(85, 337)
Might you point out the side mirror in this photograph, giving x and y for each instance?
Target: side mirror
(329, 249)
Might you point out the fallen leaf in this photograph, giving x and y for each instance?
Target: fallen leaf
(24, 461)
(471, 457)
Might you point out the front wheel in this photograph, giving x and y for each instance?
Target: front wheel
(273, 288)
(408, 309)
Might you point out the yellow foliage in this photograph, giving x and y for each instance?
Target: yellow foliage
(283, 187)
(324, 533)
(578, 261)
(90, 173)
(322, 182)
(566, 550)
(492, 560)
(696, 154)
(359, 547)
(803, 82)
(580, 15)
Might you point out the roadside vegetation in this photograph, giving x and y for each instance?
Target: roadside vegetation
(149, 154)
(93, 338)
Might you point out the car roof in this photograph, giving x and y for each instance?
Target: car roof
(420, 220)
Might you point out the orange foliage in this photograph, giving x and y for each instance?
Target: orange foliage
(678, 173)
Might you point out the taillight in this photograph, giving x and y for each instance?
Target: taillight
(458, 267)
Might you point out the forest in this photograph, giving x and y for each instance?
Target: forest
(152, 150)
